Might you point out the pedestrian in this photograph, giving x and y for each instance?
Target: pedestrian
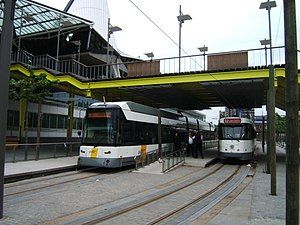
(177, 143)
(190, 144)
(201, 145)
(198, 146)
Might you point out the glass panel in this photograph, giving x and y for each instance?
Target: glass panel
(100, 127)
(45, 121)
(61, 121)
(53, 121)
(242, 132)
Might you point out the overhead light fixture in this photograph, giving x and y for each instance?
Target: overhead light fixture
(150, 55)
(267, 5)
(265, 42)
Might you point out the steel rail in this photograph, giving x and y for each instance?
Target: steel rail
(50, 185)
(147, 201)
(202, 197)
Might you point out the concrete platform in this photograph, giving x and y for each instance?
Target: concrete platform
(197, 162)
(153, 168)
(254, 205)
(156, 167)
(41, 165)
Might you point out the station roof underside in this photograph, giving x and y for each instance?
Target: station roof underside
(32, 18)
(245, 88)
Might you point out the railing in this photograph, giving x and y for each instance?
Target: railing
(189, 64)
(169, 158)
(45, 61)
(25, 152)
(144, 160)
(209, 144)
(172, 159)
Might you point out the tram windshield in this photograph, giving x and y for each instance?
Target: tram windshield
(100, 127)
(236, 132)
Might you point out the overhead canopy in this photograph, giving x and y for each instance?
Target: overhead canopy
(235, 89)
(32, 18)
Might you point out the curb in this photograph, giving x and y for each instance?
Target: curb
(22, 176)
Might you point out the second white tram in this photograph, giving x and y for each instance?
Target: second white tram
(116, 132)
(237, 138)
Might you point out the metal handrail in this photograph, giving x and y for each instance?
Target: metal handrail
(144, 160)
(172, 159)
(34, 151)
(191, 63)
(44, 143)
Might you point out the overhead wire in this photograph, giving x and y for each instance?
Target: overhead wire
(278, 24)
(165, 33)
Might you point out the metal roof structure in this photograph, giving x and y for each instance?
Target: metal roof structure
(235, 89)
(32, 18)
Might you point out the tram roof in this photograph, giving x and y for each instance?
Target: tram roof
(32, 18)
(136, 107)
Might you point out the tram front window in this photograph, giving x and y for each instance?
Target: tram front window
(242, 132)
(100, 127)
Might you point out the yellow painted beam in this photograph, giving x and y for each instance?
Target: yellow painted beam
(61, 78)
(158, 80)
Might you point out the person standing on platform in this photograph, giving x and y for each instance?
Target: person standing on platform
(201, 145)
(190, 144)
(198, 146)
(177, 143)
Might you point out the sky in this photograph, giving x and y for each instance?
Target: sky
(220, 25)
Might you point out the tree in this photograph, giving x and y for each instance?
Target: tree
(34, 89)
(280, 127)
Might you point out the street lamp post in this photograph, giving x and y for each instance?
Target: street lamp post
(203, 49)
(271, 102)
(265, 42)
(181, 18)
(110, 30)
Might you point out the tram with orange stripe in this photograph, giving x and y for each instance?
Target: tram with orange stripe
(117, 132)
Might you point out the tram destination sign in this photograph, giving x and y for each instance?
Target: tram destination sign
(99, 115)
(232, 120)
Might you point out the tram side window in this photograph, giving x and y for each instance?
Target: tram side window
(166, 134)
(145, 133)
(126, 129)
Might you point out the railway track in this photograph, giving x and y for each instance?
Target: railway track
(115, 212)
(49, 183)
(41, 183)
(190, 211)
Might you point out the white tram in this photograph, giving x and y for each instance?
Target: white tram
(116, 132)
(237, 138)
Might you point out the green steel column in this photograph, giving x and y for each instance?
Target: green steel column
(292, 116)
(70, 120)
(5, 51)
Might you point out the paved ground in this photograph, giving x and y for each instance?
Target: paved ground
(32, 166)
(253, 206)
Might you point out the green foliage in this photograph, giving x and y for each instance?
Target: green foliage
(32, 88)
